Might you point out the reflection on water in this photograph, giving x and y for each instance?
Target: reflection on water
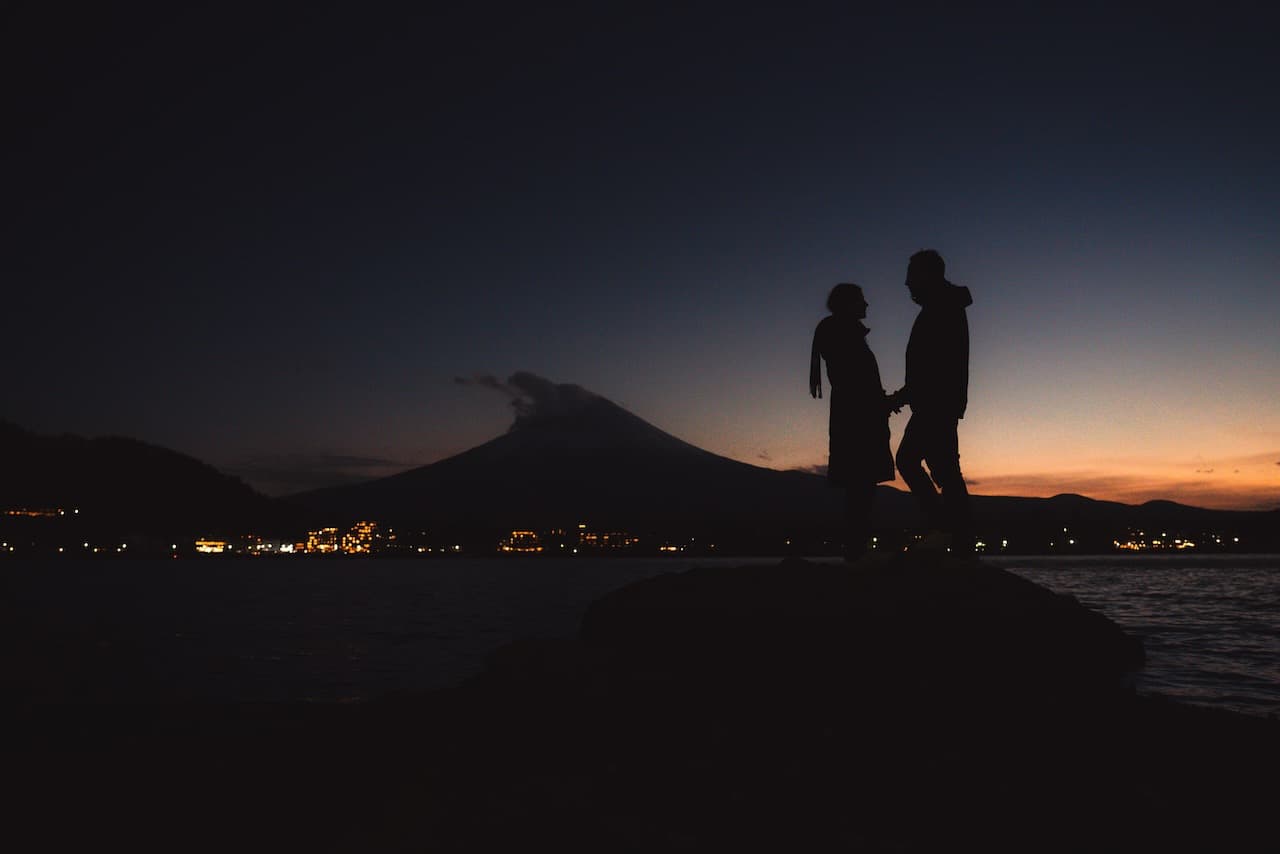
(1211, 624)
(283, 630)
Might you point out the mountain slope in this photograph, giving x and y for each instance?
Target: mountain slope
(595, 462)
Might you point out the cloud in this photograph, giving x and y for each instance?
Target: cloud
(765, 455)
(1147, 461)
(483, 381)
(813, 469)
(533, 396)
(283, 474)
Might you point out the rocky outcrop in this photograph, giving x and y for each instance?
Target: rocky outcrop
(905, 704)
(911, 626)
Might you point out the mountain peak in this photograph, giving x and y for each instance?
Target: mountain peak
(535, 398)
(566, 415)
(571, 454)
(557, 403)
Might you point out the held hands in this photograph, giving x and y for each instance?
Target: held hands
(894, 402)
(815, 390)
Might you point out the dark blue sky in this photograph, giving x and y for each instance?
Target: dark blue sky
(273, 238)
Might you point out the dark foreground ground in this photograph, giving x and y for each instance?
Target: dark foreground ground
(905, 706)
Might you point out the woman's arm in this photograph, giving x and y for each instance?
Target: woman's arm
(815, 367)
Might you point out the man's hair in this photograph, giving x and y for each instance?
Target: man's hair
(927, 265)
(843, 296)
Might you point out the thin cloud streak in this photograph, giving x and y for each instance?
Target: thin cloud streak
(284, 474)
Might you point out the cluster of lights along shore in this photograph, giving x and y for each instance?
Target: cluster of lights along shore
(50, 531)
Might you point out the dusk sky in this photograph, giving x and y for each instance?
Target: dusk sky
(273, 239)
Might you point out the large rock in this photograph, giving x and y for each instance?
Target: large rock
(886, 630)
(906, 704)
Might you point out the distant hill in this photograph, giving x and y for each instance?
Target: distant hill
(1093, 523)
(124, 485)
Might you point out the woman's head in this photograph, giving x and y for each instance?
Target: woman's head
(846, 299)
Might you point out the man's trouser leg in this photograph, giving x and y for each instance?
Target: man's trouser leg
(942, 454)
(912, 450)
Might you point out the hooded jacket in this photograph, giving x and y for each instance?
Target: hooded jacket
(938, 355)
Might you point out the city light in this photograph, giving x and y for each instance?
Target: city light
(210, 547)
(522, 542)
(359, 539)
(323, 541)
(369, 538)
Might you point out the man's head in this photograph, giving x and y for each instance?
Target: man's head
(926, 274)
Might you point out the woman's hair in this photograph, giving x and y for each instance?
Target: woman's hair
(843, 296)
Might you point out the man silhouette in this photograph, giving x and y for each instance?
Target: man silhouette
(937, 390)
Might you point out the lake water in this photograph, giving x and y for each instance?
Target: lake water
(1210, 624)
(342, 631)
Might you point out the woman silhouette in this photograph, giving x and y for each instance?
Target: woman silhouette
(859, 429)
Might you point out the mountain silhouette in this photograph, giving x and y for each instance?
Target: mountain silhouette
(124, 485)
(586, 459)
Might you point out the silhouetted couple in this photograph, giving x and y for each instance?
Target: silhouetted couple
(936, 389)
